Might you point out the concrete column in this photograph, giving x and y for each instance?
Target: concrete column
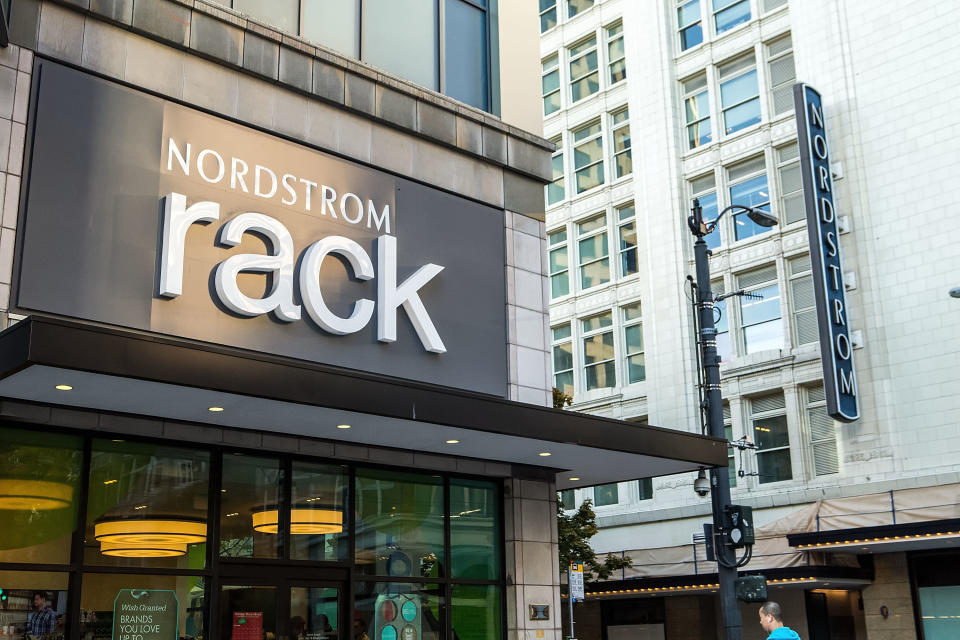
(891, 589)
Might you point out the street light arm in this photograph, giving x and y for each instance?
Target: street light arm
(700, 228)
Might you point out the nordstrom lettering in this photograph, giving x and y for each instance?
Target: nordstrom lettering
(280, 263)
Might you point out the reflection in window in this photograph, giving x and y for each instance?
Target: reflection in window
(249, 507)
(627, 230)
(474, 530)
(384, 610)
(696, 105)
(622, 154)
(559, 263)
(729, 13)
(576, 6)
(401, 38)
(334, 25)
(476, 612)
(315, 612)
(739, 94)
(616, 55)
(762, 328)
(283, 14)
(703, 188)
(749, 188)
(556, 191)
(548, 14)
(34, 604)
(598, 354)
(465, 53)
(584, 80)
(399, 520)
(550, 84)
(180, 599)
(645, 487)
(39, 488)
(688, 18)
(317, 512)
(147, 505)
(605, 494)
(593, 251)
(563, 359)
(635, 362)
(567, 499)
(588, 156)
(248, 611)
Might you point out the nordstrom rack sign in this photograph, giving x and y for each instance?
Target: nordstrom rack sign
(147, 214)
(836, 349)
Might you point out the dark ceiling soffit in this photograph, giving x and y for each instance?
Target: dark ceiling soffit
(881, 531)
(820, 572)
(67, 344)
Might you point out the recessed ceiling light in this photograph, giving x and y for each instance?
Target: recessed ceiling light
(215, 409)
(343, 426)
(452, 441)
(63, 387)
(544, 454)
(574, 479)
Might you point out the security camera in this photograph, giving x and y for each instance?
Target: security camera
(701, 485)
(955, 292)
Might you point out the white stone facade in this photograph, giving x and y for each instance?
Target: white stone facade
(891, 141)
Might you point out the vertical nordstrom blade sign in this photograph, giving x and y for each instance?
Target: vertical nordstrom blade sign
(836, 350)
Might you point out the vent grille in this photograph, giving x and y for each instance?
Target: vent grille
(807, 329)
(772, 402)
(759, 276)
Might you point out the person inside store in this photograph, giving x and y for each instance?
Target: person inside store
(43, 620)
(771, 619)
(359, 628)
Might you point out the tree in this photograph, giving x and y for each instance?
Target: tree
(574, 533)
(561, 399)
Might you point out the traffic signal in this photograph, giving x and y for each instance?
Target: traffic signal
(738, 524)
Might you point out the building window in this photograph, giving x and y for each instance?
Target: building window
(728, 434)
(721, 323)
(548, 15)
(782, 74)
(770, 5)
(332, 24)
(283, 14)
(748, 187)
(550, 83)
(593, 251)
(729, 13)
(823, 436)
(792, 208)
(635, 364)
(616, 56)
(760, 312)
(803, 303)
(567, 499)
(556, 191)
(769, 422)
(559, 263)
(696, 105)
(584, 79)
(688, 18)
(739, 94)
(588, 156)
(576, 6)
(627, 232)
(645, 488)
(563, 359)
(598, 354)
(605, 494)
(622, 156)
(704, 189)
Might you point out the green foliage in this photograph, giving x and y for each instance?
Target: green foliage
(560, 399)
(574, 533)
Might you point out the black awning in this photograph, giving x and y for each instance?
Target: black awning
(888, 538)
(133, 372)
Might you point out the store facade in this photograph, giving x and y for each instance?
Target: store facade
(273, 361)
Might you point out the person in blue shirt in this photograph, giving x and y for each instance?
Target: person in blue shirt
(771, 619)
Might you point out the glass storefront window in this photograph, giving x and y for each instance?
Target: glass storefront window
(396, 611)
(121, 605)
(39, 489)
(399, 520)
(474, 530)
(147, 505)
(34, 605)
(315, 613)
(250, 507)
(249, 612)
(318, 516)
(475, 611)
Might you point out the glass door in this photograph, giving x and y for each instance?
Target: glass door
(282, 609)
(317, 613)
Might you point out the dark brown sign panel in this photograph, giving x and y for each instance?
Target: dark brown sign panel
(147, 214)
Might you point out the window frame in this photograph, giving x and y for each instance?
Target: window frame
(741, 325)
(559, 178)
(586, 334)
(614, 487)
(773, 58)
(556, 16)
(559, 342)
(729, 5)
(546, 71)
(620, 223)
(731, 183)
(611, 39)
(714, 239)
(780, 166)
(616, 127)
(795, 311)
(733, 76)
(578, 12)
(771, 413)
(694, 94)
(809, 406)
(588, 235)
(559, 245)
(682, 4)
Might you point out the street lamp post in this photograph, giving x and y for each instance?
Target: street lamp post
(719, 479)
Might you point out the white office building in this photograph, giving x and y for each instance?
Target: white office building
(654, 103)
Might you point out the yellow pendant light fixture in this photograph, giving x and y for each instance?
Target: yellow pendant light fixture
(156, 537)
(303, 520)
(21, 494)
